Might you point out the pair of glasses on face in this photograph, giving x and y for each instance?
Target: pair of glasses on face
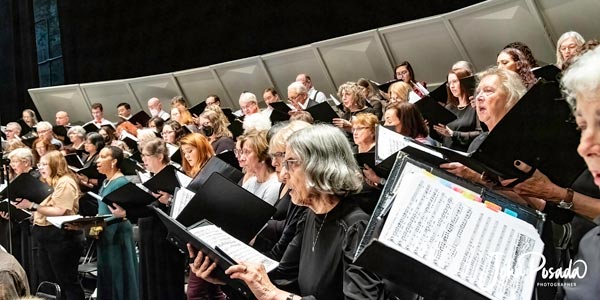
(164, 133)
(240, 152)
(277, 155)
(289, 164)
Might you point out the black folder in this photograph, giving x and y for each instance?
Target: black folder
(91, 127)
(440, 94)
(165, 180)
(130, 167)
(27, 187)
(141, 118)
(74, 160)
(229, 114)
(61, 133)
(538, 130)
(322, 113)
(548, 72)
(29, 138)
(434, 112)
(229, 206)
(236, 127)
(198, 108)
(415, 275)
(469, 84)
(131, 198)
(384, 87)
(16, 214)
(382, 169)
(180, 237)
(131, 143)
(230, 158)
(90, 171)
(218, 165)
(278, 116)
(25, 129)
(176, 157)
(281, 107)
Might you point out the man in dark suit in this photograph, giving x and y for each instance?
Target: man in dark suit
(298, 96)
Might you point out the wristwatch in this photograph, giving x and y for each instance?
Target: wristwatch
(567, 202)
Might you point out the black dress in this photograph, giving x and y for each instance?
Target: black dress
(466, 128)
(328, 272)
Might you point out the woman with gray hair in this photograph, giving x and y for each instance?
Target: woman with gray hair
(77, 136)
(354, 103)
(320, 169)
(568, 46)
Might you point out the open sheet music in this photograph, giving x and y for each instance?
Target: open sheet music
(451, 231)
(180, 200)
(213, 236)
(388, 143)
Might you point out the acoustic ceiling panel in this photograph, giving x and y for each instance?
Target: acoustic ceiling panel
(352, 57)
(245, 75)
(163, 87)
(284, 66)
(199, 83)
(110, 94)
(572, 15)
(422, 44)
(485, 31)
(68, 98)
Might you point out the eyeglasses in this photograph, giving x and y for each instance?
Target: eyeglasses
(293, 99)
(248, 106)
(452, 82)
(359, 129)
(41, 165)
(239, 152)
(277, 155)
(289, 163)
(147, 155)
(42, 131)
(167, 132)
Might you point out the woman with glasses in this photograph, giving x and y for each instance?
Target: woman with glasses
(320, 170)
(77, 136)
(172, 132)
(156, 123)
(569, 44)
(40, 147)
(161, 264)
(404, 71)
(363, 132)
(59, 250)
(354, 103)
(264, 182)
(29, 118)
(459, 133)
(117, 260)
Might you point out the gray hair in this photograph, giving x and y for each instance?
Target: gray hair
(353, 89)
(44, 125)
(326, 157)
(583, 76)
(297, 87)
(567, 35)
(257, 122)
(78, 130)
(463, 64)
(247, 97)
(23, 154)
(14, 126)
(510, 83)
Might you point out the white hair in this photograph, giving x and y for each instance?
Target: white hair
(246, 97)
(583, 76)
(465, 65)
(297, 87)
(567, 35)
(22, 154)
(257, 121)
(44, 125)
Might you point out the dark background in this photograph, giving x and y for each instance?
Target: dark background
(108, 39)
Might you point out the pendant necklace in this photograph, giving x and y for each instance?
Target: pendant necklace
(318, 232)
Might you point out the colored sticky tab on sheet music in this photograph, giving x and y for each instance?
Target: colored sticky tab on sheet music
(493, 206)
(511, 212)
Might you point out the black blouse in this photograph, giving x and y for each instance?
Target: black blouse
(466, 128)
(328, 272)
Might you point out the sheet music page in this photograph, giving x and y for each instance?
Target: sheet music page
(183, 179)
(388, 143)
(59, 220)
(3, 186)
(125, 134)
(172, 149)
(335, 101)
(144, 176)
(490, 252)
(180, 200)
(413, 97)
(214, 236)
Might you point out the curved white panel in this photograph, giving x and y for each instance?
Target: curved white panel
(163, 87)
(199, 83)
(577, 15)
(110, 94)
(69, 98)
(242, 76)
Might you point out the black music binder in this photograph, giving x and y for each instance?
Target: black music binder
(281, 106)
(548, 72)
(384, 87)
(130, 167)
(236, 127)
(16, 214)
(165, 180)
(61, 133)
(382, 169)
(25, 129)
(141, 118)
(434, 112)
(440, 94)
(77, 220)
(27, 187)
(130, 197)
(322, 113)
(229, 206)
(420, 272)
(74, 160)
(469, 84)
(198, 109)
(221, 164)
(180, 236)
(278, 116)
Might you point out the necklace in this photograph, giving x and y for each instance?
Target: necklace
(318, 232)
(462, 107)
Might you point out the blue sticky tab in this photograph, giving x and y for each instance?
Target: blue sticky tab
(510, 212)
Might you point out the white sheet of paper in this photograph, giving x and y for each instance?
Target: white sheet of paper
(490, 252)
(183, 179)
(180, 200)
(215, 236)
(388, 143)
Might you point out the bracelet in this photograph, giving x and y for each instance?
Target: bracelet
(34, 207)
